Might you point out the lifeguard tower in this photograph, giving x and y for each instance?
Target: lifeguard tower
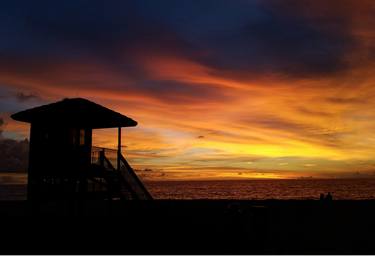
(63, 164)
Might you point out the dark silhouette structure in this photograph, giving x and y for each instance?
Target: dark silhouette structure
(63, 164)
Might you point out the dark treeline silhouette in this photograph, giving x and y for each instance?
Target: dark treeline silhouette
(14, 153)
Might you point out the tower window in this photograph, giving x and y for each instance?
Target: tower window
(81, 137)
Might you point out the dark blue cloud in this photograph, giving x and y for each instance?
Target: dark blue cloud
(249, 37)
(281, 41)
(177, 93)
(12, 101)
(45, 33)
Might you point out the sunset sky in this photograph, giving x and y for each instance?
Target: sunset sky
(220, 89)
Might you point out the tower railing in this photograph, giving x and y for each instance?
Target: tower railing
(132, 179)
(110, 154)
(109, 159)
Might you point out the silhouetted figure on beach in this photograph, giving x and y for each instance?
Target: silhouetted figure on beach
(321, 197)
(329, 197)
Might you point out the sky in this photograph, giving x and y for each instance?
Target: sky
(220, 89)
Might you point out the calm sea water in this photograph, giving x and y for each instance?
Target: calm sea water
(13, 187)
(348, 189)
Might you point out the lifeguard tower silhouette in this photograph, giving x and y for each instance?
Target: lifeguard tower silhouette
(63, 164)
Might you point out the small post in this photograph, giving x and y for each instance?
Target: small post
(101, 157)
(119, 148)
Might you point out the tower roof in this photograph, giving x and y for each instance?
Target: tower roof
(75, 112)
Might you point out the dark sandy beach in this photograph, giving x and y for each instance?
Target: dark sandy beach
(188, 227)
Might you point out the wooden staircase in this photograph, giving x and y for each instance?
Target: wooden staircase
(122, 183)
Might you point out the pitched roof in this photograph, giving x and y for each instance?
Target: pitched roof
(75, 112)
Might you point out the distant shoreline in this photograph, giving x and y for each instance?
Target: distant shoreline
(252, 179)
(147, 179)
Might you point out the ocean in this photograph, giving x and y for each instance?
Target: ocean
(341, 189)
(13, 187)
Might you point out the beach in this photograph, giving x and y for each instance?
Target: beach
(189, 227)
